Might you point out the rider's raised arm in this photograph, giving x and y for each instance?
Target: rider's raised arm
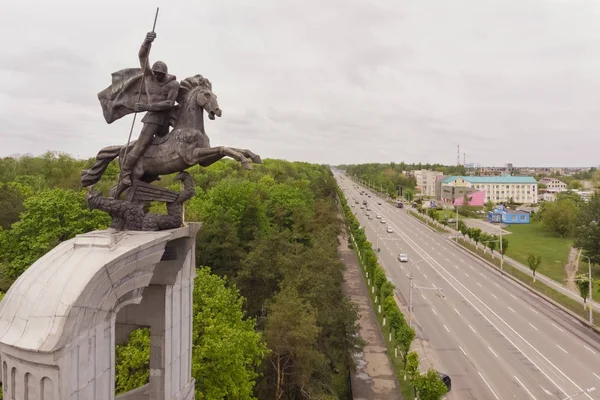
(145, 52)
(169, 102)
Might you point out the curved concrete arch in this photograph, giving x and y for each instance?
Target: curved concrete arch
(64, 308)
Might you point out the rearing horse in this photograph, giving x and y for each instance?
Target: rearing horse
(186, 145)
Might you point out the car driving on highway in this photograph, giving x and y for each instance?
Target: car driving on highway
(389, 229)
(403, 258)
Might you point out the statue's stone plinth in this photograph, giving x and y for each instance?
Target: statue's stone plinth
(61, 320)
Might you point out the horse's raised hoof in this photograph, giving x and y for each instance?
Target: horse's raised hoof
(247, 164)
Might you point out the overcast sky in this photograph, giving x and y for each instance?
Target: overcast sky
(332, 81)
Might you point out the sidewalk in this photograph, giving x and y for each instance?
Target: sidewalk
(374, 378)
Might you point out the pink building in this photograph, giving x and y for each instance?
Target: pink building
(476, 199)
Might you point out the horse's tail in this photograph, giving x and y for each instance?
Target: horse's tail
(104, 157)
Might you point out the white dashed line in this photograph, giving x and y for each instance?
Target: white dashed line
(513, 296)
(479, 284)
(447, 328)
(590, 350)
(423, 296)
(433, 309)
(424, 275)
(533, 310)
(493, 352)
(489, 387)
(498, 286)
(456, 311)
(493, 295)
(461, 349)
(530, 324)
(511, 309)
(596, 375)
(473, 329)
(467, 275)
(558, 327)
(527, 390)
(562, 349)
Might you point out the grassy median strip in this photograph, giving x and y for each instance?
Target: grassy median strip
(426, 221)
(541, 287)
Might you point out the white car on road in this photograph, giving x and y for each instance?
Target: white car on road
(378, 216)
(382, 221)
(389, 229)
(403, 258)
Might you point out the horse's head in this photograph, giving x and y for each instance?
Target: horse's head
(197, 91)
(208, 101)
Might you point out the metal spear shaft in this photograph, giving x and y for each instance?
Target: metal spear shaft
(138, 100)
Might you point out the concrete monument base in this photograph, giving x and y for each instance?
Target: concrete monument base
(61, 320)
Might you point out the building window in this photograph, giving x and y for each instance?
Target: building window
(514, 217)
(523, 218)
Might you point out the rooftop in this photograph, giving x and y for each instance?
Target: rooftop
(492, 179)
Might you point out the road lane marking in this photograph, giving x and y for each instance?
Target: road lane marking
(493, 352)
(419, 268)
(451, 279)
(596, 375)
(447, 328)
(557, 327)
(498, 286)
(459, 313)
(461, 260)
(534, 310)
(433, 309)
(423, 296)
(481, 273)
(461, 349)
(562, 349)
(473, 329)
(424, 275)
(493, 295)
(530, 324)
(591, 351)
(489, 387)
(479, 284)
(513, 296)
(467, 275)
(456, 266)
(523, 386)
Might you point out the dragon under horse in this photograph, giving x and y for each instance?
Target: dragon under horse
(184, 146)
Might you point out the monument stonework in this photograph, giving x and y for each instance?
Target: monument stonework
(62, 318)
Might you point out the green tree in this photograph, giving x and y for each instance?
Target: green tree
(534, 260)
(587, 234)
(50, 217)
(404, 337)
(560, 217)
(226, 349)
(132, 362)
(291, 333)
(505, 243)
(489, 205)
(11, 204)
(430, 386)
(412, 366)
(475, 234)
(583, 283)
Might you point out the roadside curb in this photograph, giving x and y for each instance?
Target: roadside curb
(579, 319)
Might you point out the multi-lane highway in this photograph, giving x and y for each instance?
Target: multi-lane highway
(494, 338)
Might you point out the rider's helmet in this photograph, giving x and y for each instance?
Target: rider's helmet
(160, 67)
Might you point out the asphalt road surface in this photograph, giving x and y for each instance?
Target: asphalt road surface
(495, 339)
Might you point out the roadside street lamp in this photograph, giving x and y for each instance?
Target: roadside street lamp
(410, 291)
(590, 288)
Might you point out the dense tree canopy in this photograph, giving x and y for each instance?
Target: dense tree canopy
(269, 237)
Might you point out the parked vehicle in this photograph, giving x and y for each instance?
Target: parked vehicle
(403, 258)
(400, 205)
(389, 229)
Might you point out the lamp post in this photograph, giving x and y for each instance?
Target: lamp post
(501, 252)
(456, 223)
(590, 288)
(410, 293)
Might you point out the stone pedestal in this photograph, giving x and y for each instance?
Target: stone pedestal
(61, 320)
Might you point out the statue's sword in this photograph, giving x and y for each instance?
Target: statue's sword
(138, 100)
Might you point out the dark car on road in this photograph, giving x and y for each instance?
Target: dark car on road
(446, 379)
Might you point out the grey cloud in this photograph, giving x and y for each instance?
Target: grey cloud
(340, 81)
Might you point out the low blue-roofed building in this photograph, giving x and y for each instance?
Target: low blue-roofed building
(519, 189)
(508, 216)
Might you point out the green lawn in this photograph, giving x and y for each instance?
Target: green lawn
(534, 238)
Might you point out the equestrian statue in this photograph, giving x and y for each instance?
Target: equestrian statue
(159, 150)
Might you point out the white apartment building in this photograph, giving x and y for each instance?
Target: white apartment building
(553, 184)
(521, 189)
(426, 180)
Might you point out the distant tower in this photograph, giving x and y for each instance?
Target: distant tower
(458, 154)
(465, 159)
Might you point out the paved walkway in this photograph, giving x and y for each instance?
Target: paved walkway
(374, 378)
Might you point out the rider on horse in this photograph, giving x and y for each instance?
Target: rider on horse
(161, 89)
